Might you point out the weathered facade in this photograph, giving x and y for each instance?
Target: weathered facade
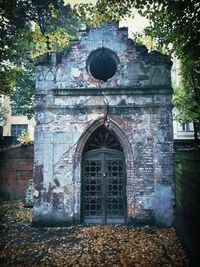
(103, 139)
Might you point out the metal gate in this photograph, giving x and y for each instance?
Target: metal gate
(103, 182)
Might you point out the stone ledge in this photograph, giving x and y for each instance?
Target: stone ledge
(112, 91)
(62, 110)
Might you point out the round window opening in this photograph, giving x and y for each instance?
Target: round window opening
(102, 64)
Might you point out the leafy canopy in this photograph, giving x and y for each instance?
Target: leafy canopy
(173, 22)
(28, 29)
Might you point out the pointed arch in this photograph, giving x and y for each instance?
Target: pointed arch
(113, 126)
(156, 77)
(128, 156)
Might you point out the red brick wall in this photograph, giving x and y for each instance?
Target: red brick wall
(16, 169)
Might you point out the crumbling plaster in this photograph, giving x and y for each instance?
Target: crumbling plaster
(135, 103)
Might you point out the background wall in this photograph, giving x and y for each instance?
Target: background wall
(16, 169)
(187, 186)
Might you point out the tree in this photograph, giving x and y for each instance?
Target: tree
(3, 114)
(175, 22)
(6, 85)
(12, 19)
(32, 28)
(23, 93)
(186, 99)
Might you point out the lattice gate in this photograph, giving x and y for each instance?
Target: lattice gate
(103, 180)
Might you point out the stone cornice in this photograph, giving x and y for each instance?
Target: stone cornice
(110, 91)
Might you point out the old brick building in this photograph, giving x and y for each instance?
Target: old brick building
(103, 141)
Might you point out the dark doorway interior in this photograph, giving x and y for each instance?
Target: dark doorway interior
(103, 180)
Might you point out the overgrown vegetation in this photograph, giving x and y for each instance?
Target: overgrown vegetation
(186, 96)
(25, 138)
(14, 211)
(28, 29)
(3, 114)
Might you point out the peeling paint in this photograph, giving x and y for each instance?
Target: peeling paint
(75, 72)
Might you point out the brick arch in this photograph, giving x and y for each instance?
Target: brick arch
(129, 160)
(112, 125)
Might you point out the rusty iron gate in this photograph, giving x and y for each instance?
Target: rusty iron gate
(104, 181)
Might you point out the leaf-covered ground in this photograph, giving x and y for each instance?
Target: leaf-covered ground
(119, 246)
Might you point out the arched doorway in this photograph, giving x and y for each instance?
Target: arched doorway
(103, 179)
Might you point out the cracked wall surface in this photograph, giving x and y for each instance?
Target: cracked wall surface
(71, 104)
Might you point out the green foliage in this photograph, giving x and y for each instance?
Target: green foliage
(176, 23)
(25, 138)
(14, 210)
(60, 28)
(3, 114)
(12, 19)
(104, 11)
(28, 29)
(7, 81)
(186, 107)
(23, 93)
(56, 41)
(186, 97)
(171, 22)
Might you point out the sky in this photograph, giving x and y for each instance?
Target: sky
(136, 24)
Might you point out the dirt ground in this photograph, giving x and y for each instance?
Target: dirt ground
(92, 246)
